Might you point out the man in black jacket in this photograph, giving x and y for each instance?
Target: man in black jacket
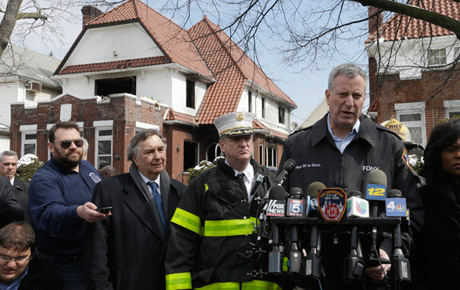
(215, 224)
(340, 150)
(126, 251)
(8, 168)
(18, 267)
(10, 209)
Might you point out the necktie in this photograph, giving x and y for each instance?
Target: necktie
(158, 202)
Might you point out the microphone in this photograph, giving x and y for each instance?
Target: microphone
(313, 259)
(353, 263)
(295, 207)
(295, 203)
(288, 166)
(396, 207)
(275, 256)
(376, 192)
(356, 205)
(276, 205)
(395, 204)
(312, 192)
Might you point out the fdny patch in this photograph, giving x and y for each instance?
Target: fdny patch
(94, 177)
(405, 159)
(332, 203)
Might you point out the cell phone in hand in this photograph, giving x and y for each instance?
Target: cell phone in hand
(106, 209)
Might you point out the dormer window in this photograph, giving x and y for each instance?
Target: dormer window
(190, 92)
(436, 57)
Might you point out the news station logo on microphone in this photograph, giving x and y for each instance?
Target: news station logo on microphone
(332, 203)
(375, 191)
(276, 207)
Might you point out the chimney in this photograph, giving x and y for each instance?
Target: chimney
(375, 20)
(89, 13)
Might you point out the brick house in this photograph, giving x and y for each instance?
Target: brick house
(412, 75)
(132, 68)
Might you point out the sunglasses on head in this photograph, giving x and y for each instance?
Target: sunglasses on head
(66, 143)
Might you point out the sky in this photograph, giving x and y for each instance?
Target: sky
(306, 88)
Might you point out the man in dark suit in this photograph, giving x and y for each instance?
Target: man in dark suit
(127, 250)
(8, 167)
(10, 210)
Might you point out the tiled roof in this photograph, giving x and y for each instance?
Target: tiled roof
(404, 27)
(231, 67)
(28, 64)
(258, 125)
(170, 38)
(176, 116)
(114, 65)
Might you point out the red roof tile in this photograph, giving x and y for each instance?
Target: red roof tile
(231, 67)
(174, 41)
(114, 65)
(259, 125)
(402, 26)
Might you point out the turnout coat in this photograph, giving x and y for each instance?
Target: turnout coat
(126, 251)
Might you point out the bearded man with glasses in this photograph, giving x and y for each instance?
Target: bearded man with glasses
(60, 207)
(19, 270)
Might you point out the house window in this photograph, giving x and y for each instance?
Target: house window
(261, 154)
(413, 116)
(271, 156)
(105, 87)
(249, 101)
(281, 115)
(29, 143)
(190, 87)
(190, 154)
(436, 56)
(452, 108)
(212, 152)
(263, 107)
(104, 139)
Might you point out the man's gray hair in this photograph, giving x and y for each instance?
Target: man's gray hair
(85, 145)
(8, 153)
(133, 149)
(348, 70)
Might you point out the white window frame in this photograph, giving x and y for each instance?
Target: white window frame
(102, 138)
(261, 154)
(451, 106)
(28, 130)
(413, 108)
(273, 162)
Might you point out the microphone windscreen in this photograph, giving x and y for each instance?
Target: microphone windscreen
(314, 188)
(289, 165)
(355, 193)
(377, 177)
(277, 192)
(394, 193)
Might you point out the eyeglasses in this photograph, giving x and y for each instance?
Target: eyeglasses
(18, 260)
(66, 143)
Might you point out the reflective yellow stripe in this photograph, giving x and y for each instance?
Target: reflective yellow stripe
(179, 281)
(285, 264)
(259, 285)
(206, 187)
(226, 228)
(187, 220)
(250, 285)
(221, 286)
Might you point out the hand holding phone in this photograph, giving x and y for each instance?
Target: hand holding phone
(105, 210)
